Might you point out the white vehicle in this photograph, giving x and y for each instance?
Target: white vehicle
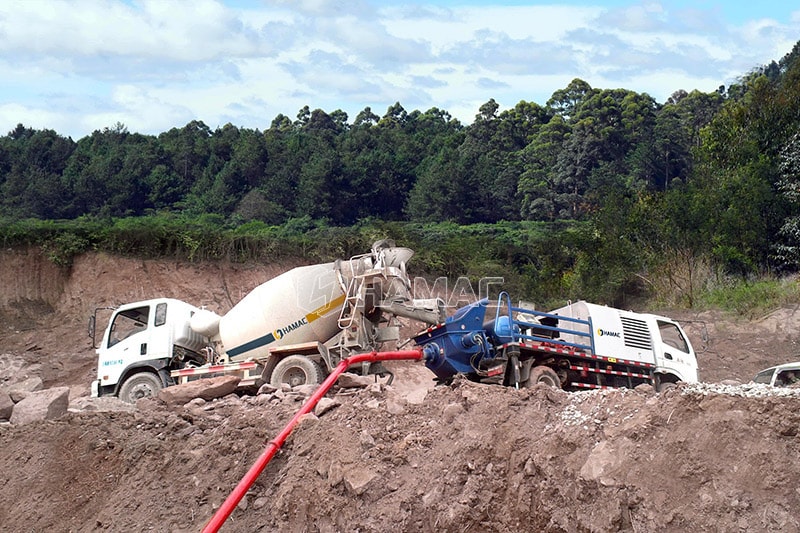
(292, 329)
(780, 376)
(641, 340)
(579, 346)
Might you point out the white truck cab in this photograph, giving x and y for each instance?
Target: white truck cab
(140, 342)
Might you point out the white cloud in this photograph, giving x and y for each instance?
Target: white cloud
(79, 65)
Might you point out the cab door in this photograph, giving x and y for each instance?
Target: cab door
(125, 342)
(674, 353)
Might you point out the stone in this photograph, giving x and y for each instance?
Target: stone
(6, 406)
(207, 389)
(348, 380)
(416, 397)
(357, 479)
(451, 412)
(103, 404)
(306, 389)
(18, 391)
(324, 405)
(266, 388)
(47, 404)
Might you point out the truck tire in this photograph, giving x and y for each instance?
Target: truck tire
(296, 370)
(138, 386)
(666, 386)
(543, 374)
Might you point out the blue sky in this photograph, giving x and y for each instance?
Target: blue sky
(76, 66)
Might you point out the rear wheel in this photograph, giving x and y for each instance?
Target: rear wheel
(666, 386)
(543, 374)
(296, 370)
(138, 386)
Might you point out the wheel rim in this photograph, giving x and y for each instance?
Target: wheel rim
(547, 380)
(294, 377)
(142, 390)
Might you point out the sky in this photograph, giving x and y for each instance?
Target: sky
(78, 66)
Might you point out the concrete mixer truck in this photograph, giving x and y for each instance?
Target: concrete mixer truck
(294, 328)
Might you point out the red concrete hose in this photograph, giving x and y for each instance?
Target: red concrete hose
(230, 503)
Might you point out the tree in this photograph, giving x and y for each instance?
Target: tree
(537, 183)
(565, 102)
(787, 251)
(32, 165)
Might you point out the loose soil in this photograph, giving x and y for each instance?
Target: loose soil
(716, 456)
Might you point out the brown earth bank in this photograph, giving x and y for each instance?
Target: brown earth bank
(408, 456)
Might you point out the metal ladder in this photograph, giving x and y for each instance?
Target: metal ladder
(354, 299)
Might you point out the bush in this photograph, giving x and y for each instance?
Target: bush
(752, 298)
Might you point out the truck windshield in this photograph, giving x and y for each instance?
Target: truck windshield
(672, 336)
(127, 323)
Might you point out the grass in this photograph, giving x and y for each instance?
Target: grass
(752, 298)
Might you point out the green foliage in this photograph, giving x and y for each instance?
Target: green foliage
(64, 247)
(752, 299)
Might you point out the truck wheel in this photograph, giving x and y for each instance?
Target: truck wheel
(296, 370)
(662, 385)
(666, 386)
(138, 386)
(543, 374)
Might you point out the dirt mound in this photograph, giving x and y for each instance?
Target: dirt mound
(409, 457)
(469, 458)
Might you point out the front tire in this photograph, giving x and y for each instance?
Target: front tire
(138, 386)
(543, 374)
(296, 370)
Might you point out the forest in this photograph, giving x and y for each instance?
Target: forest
(602, 194)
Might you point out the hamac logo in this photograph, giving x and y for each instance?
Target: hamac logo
(605, 333)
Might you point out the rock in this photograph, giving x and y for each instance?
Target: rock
(366, 440)
(149, 404)
(348, 380)
(6, 406)
(262, 399)
(451, 411)
(416, 397)
(601, 464)
(395, 407)
(242, 506)
(305, 390)
(308, 419)
(104, 404)
(324, 405)
(335, 474)
(46, 404)
(266, 388)
(207, 389)
(21, 389)
(357, 479)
